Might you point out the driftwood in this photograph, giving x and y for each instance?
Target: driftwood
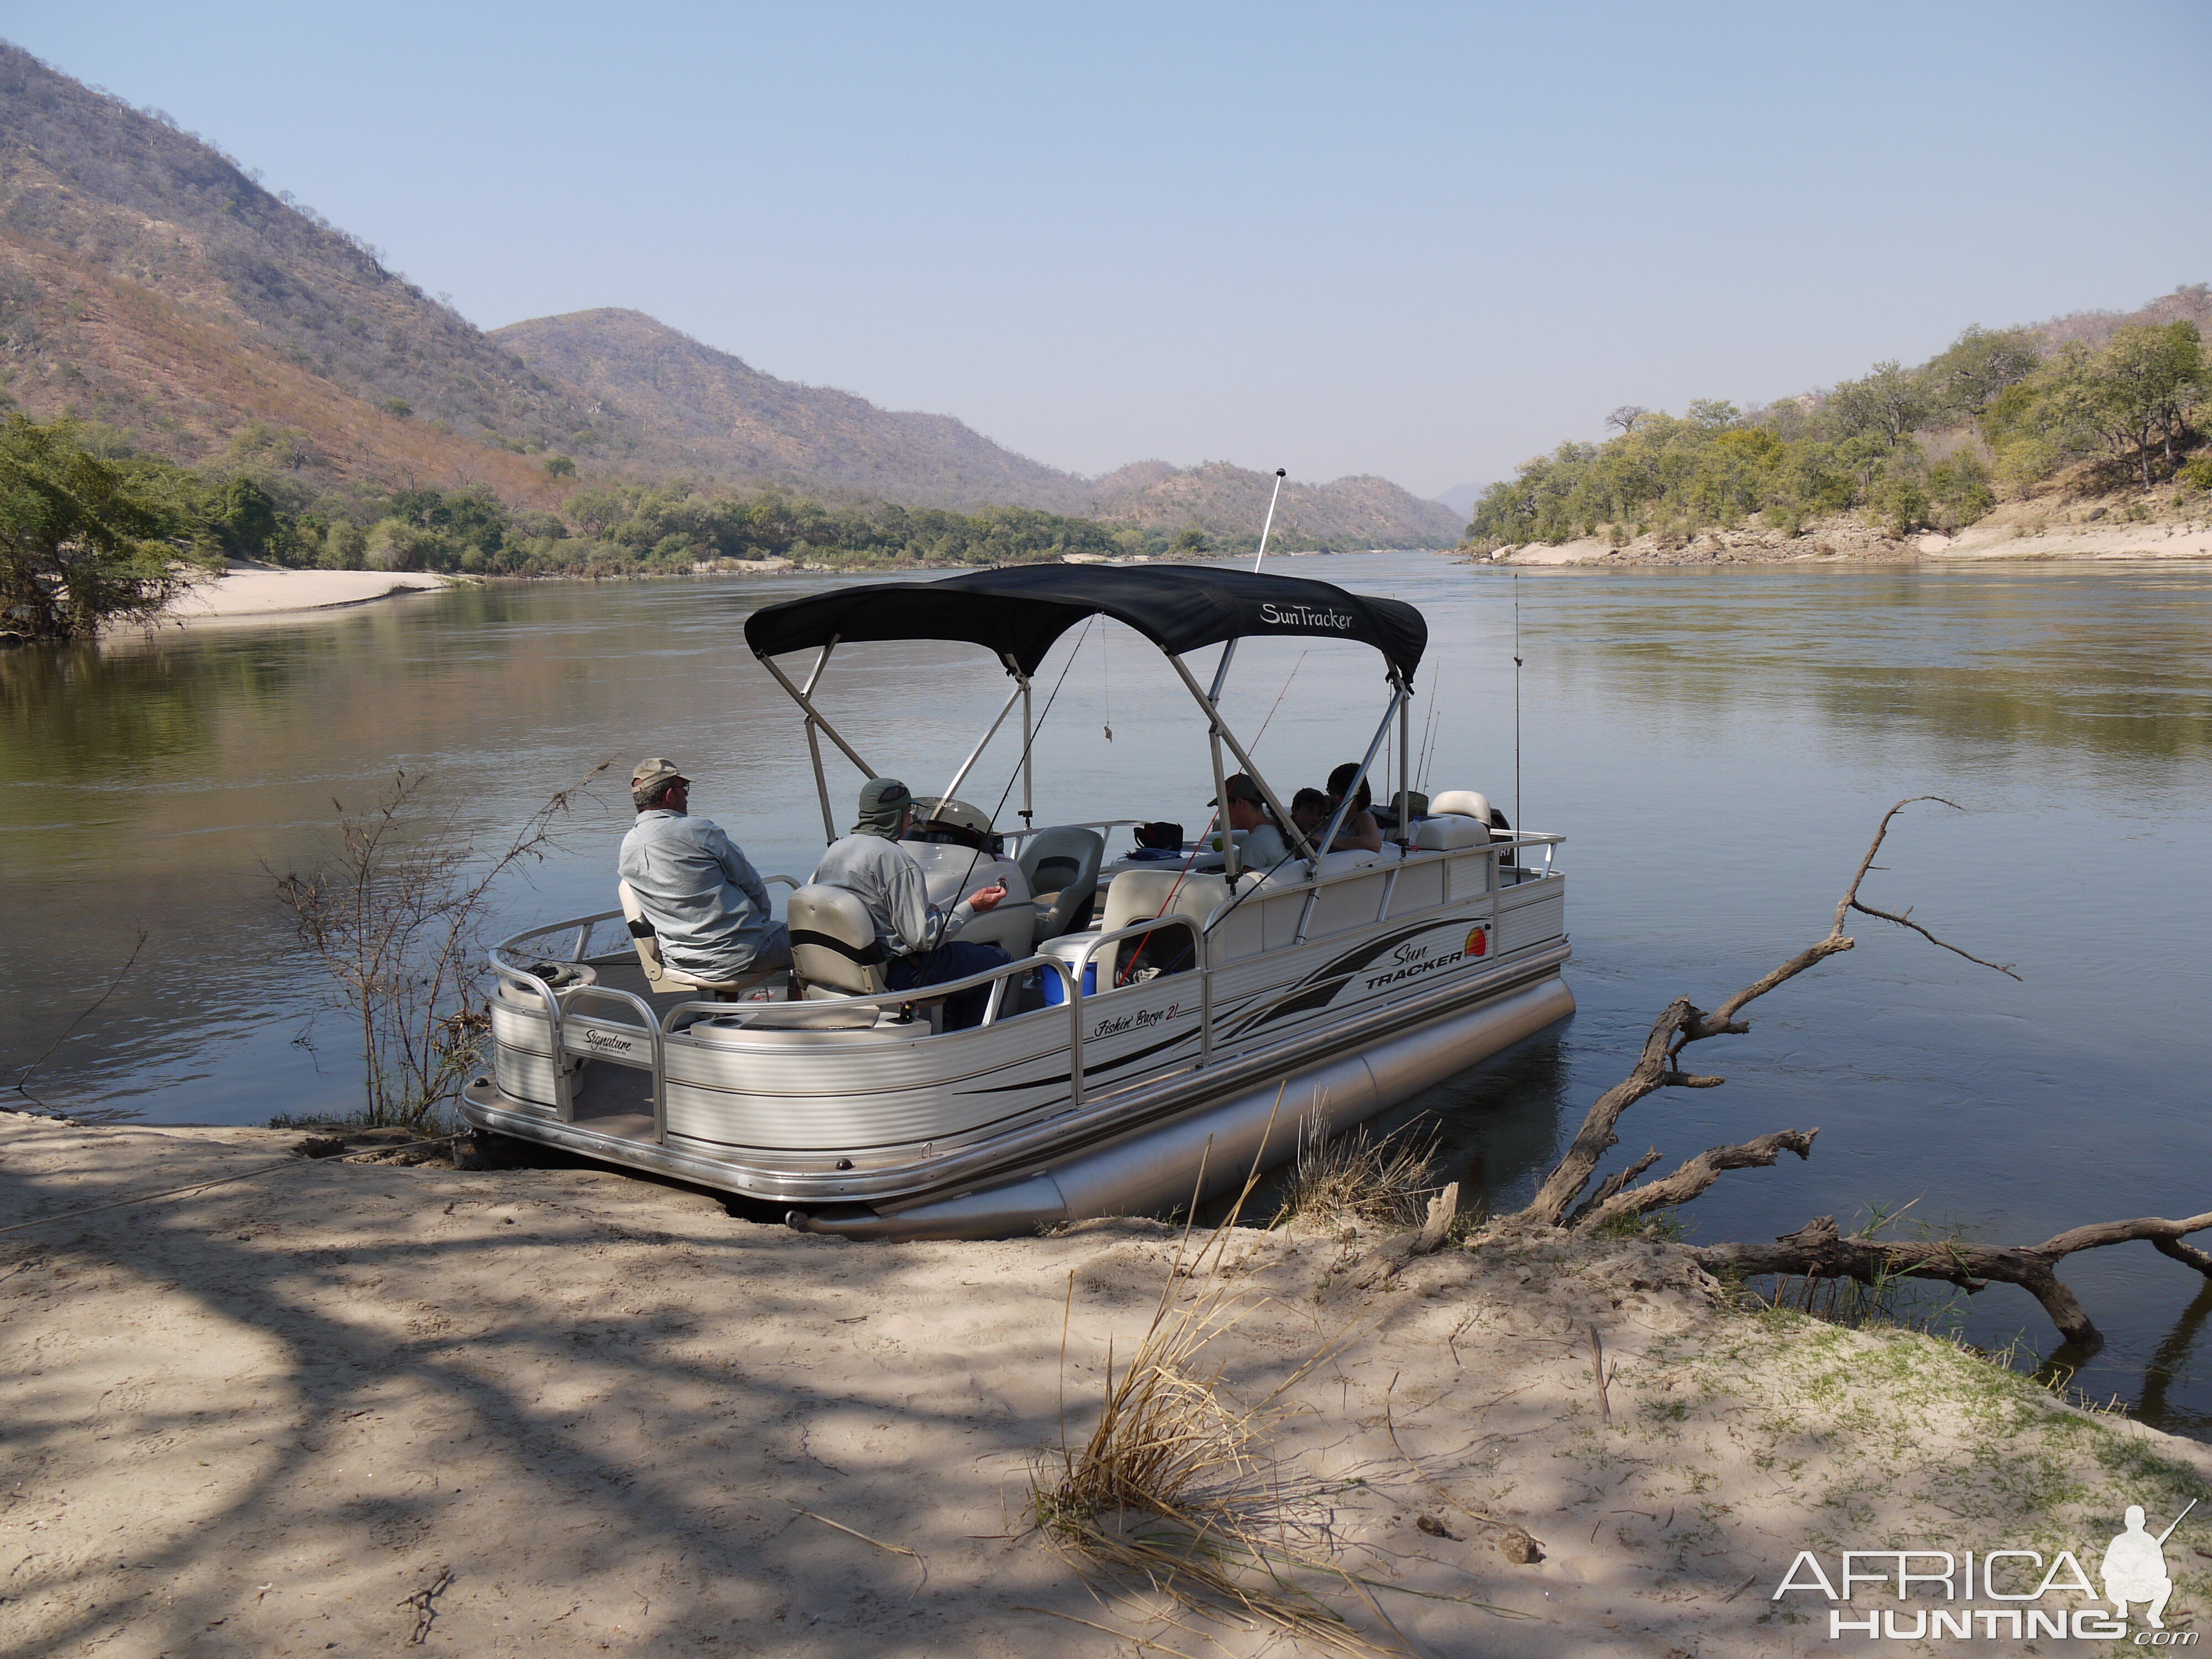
(1818, 1250)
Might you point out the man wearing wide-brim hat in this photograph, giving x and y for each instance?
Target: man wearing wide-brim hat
(701, 893)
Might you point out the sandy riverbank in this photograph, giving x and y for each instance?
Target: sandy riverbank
(247, 589)
(2015, 531)
(258, 1419)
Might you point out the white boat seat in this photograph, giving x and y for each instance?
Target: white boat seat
(658, 973)
(1463, 803)
(834, 947)
(1139, 894)
(1448, 830)
(1061, 868)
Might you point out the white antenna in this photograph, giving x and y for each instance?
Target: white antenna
(1279, 476)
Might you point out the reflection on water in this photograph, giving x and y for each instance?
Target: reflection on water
(1718, 747)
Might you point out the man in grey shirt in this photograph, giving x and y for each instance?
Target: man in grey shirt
(698, 889)
(875, 869)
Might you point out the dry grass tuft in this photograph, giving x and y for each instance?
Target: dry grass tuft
(1176, 1487)
(1355, 1178)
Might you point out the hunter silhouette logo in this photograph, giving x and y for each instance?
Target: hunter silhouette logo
(2134, 1568)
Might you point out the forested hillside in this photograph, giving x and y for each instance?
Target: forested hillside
(2097, 401)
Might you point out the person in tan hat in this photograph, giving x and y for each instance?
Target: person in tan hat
(698, 889)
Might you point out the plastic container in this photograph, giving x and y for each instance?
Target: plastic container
(1055, 988)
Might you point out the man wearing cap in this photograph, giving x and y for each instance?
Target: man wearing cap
(1263, 848)
(698, 889)
(917, 937)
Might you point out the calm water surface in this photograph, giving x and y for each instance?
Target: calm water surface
(1718, 747)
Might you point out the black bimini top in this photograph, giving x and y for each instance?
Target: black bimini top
(1020, 611)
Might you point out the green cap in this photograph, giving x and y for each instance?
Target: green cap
(884, 803)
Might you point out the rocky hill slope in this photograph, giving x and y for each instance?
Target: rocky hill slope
(146, 280)
(689, 408)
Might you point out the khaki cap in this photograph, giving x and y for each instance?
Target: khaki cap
(652, 771)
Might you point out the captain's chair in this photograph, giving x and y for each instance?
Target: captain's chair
(834, 948)
(1061, 867)
(667, 979)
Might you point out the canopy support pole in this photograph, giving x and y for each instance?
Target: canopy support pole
(814, 748)
(815, 715)
(961, 776)
(1282, 813)
(1404, 759)
(1221, 805)
(1352, 789)
(1221, 670)
(1029, 744)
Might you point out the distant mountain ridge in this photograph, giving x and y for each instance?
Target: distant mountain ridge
(148, 280)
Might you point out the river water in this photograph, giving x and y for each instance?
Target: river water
(1718, 747)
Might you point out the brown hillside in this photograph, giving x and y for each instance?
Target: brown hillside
(258, 311)
(80, 342)
(1225, 501)
(693, 409)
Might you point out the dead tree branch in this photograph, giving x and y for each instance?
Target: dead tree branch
(1695, 1175)
(1659, 1066)
(1818, 1250)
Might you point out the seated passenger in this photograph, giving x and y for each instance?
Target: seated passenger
(1359, 830)
(705, 901)
(917, 937)
(1263, 848)
(1309, 811)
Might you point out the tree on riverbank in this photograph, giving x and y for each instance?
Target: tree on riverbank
(84, 542)
(1921, 448)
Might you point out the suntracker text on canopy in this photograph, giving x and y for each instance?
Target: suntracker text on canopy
(1019, 611)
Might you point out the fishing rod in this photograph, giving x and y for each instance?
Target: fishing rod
(1517, 819)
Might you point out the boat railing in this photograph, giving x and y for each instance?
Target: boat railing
(999, 978)
(1101, 825)
(560, 1007)
(1313, 885)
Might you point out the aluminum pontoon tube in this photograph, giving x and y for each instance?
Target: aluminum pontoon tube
(1153, 1168)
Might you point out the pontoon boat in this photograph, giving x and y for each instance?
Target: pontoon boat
(1170, 1015)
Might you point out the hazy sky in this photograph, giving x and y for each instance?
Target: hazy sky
(1425, 241)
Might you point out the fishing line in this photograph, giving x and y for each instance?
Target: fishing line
(1279, 696)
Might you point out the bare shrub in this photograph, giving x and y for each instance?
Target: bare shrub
(1357, 1178)
(1175, 1486)
(396, 917)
